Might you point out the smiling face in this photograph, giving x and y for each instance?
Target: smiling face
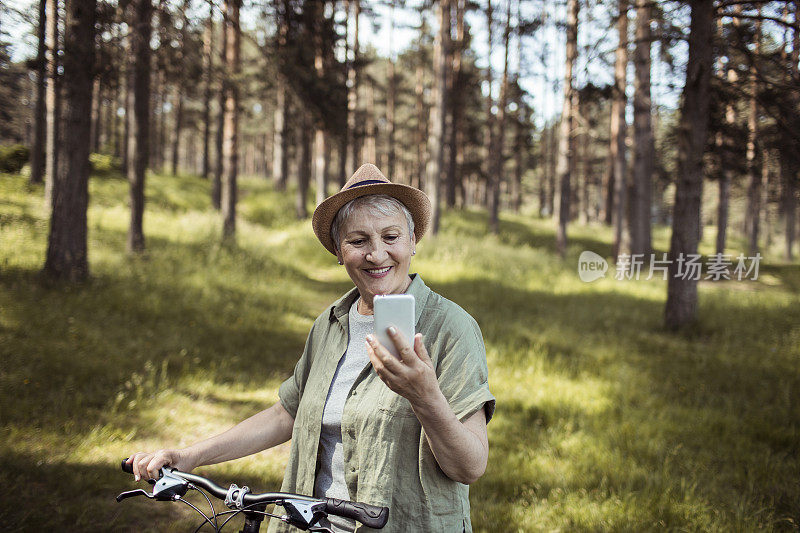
(376, 252)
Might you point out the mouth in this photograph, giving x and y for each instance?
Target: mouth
(377, 272)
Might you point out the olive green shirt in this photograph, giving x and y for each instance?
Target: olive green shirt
(388, 461)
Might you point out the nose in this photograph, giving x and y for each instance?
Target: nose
(378, 253)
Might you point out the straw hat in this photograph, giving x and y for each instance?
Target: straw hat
(369, 180)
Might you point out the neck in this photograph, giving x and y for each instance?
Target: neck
(365, 303)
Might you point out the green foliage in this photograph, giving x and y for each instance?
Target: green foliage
(13, 157)
(104, 165)
(604, 422)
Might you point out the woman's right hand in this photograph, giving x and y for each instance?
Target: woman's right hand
(147, 465)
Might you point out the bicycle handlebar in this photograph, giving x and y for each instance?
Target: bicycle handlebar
(371, 516)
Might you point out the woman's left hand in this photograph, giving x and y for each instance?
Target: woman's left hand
(412, 376)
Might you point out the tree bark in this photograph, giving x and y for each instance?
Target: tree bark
(616, 178)
(305, 166)
(94, 136)
(566, 142)
(681, 306)
(353, 80)
(280, 161)
(230, 146)
(208, 67)
(753, 213)
(138, 147)
(176, 134)
(40, 110)
(216, 186)
(67, 257)
(438, 114)
(127, 93)
(489, 139)
(53, 99)
(619, 133)
(456, 108)
(644, 148)
(391, 94)
(497, 173)
(421, 131)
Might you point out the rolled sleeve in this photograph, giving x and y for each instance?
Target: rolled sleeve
(463, 372)
(291, 390)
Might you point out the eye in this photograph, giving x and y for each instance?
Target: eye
(356, 242)
(391, 238)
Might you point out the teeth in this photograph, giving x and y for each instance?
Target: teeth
(378, 270)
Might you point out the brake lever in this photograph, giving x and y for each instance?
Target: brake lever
(132, 493)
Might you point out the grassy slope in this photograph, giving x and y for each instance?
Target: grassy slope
(604, 420)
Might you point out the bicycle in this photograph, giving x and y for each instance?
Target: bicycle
(303, 512)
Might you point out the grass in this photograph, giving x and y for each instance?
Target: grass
(605, 421)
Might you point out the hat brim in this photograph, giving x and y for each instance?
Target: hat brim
(415, 200)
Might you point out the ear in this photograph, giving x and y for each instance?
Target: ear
(339, 256)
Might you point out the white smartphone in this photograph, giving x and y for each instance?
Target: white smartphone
(394, 310)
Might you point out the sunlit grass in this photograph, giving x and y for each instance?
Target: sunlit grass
(605, 421)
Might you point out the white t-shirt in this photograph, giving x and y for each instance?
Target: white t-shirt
(330, 480)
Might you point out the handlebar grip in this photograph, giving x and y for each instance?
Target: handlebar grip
(128, 468)
(369, 515)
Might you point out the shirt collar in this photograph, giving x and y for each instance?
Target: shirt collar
(341, 307)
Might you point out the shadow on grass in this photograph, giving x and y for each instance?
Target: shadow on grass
(81, 497)
(695, 407)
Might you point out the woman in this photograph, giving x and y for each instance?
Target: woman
(407, 433)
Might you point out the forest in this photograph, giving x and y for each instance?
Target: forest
(160, 161)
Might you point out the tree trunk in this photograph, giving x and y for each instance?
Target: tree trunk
(438, 114)
(722, 210)
(489, 139)
(53, 98)
(66, 244)
(40, 110)
(456, 108)
(176, 135)
(208, 68)
(280, 162)
(305, 166)
(520, 146)
(681, 306)
(216, 186)
(138, 147)
(789, 156)
(353, 79)
(421, 131)
(566, 142)
(230, 146)
(127, 94)
(753, 212)
(370, 153)
(320, 165)
(94, 136)
(390, 126)
(616, 178)
(644, 149)
(497, 173)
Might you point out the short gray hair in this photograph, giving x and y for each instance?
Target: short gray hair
(376, 205)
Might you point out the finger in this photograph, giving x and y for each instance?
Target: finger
(402, 345)
(377, 364)
(390, 362)
(155, 465)
(421, 350)
(139, 465)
